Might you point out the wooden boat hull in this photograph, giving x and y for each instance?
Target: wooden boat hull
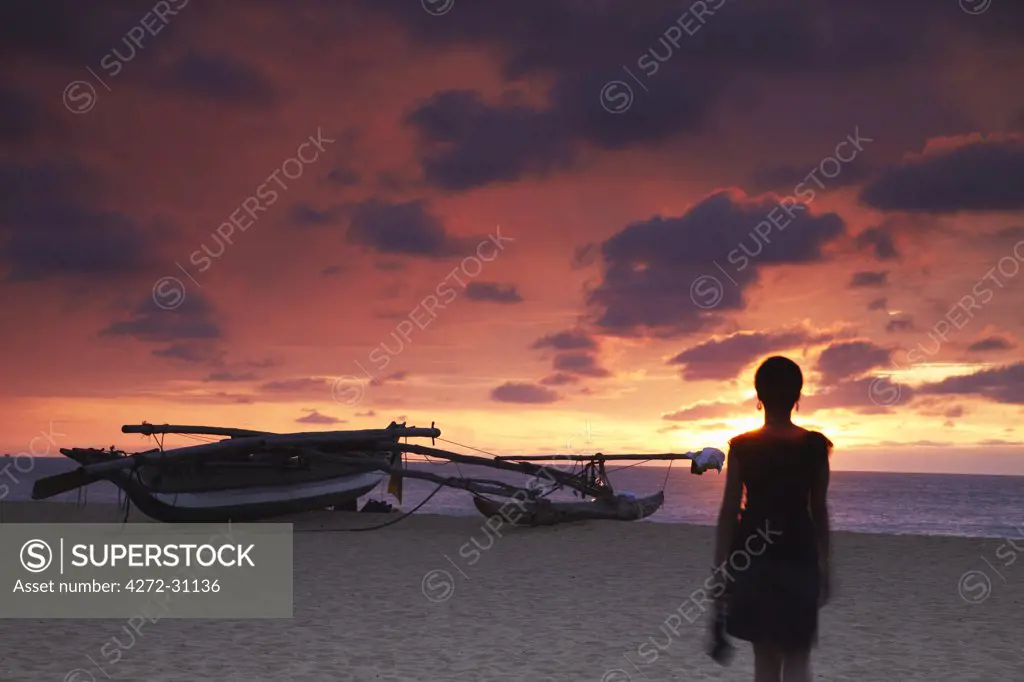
(249, 504)
(546, 512)
(236, 491)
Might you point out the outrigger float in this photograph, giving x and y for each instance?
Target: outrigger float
(252, 475)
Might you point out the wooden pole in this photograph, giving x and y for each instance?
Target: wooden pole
(151, 429)
(588, 458)
(378, 439)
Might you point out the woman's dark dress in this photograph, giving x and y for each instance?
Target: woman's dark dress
(773, 566)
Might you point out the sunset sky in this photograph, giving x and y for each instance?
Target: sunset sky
(525, 221)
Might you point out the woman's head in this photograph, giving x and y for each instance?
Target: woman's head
(778, 382)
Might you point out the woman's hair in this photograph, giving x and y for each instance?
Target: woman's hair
(778, 382)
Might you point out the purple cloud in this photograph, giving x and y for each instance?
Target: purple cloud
(851, 359)
(519, 392)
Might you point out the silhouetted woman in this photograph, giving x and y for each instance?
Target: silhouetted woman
(775, 550)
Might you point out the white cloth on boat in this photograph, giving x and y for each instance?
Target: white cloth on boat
(708, 458)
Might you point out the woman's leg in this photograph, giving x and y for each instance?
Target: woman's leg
(796, 666)
(767, 664)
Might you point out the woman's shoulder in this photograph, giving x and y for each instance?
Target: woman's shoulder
(762, 436)
(747, 438)
(819, 439)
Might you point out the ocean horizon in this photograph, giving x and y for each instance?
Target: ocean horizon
(963, 505)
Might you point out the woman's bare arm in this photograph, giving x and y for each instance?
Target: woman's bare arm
(819, 516)
(819, 511)
(728, 516)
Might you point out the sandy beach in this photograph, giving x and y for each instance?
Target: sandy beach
(443, 598)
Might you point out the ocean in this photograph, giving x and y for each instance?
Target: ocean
(867, 502)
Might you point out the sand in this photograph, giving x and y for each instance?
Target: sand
(414, 602)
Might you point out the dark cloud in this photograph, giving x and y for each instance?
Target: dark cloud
(680, 104)
(573, 339)
(954, 412)
(851, 359)
(725, 358)
(879, 304)
(991, 343)
(223, 397)
(407, 229)
(394, 377)
(684, 77)
(25, 188)
(652, 266)
(707, 410)
(67, 32)
(470, 143)
(869, 279)
(219, 78)
(396, 181)
(75, 241)
(867, 395)
(193, 352)
(1010, 235)
(344, 177)
(774, 38)
(304, 215)
(519, 392)
(473, 143)
(581, 364)
(982, 175)
(54, 230)
(1002, 384)
(332, 270)
(23, 118)
(231, 376)
(903, 323)
(586, 255)
(493, 292)
(880, 241)
(297, 385)
(193, 319)
(559, 379)
(916, 443)
(315, 417)
(937, 406)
